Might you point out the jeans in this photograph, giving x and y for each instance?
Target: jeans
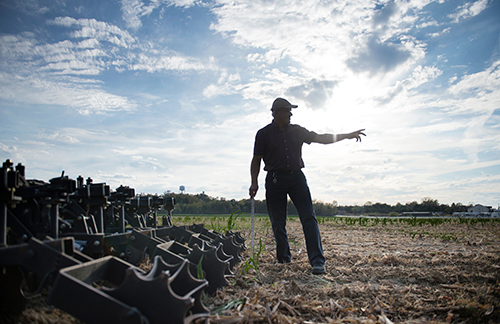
(278, 186)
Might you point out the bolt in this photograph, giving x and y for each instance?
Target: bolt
(122, 255)
(132, 238)
(30, 254)
(97, 243)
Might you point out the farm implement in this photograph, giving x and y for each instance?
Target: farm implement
(88, 246)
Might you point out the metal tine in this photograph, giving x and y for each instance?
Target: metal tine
(237, 238)
(230, 248)
(230, 245)
(209, 262)
(153, 297)
(73, 291)
(214, 267)
(200, 228)
(184, 283)
(175, 233)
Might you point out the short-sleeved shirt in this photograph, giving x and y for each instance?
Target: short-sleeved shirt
(282, 150)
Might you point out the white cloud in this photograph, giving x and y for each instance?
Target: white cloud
(33, 90)
(165, 63)
(134, 10)
(468, 10)
(428, 24)
(32, 70)
(213, 90)
(320, 43)
(32, 8)
(479, 83)
(8, 149)
(64, 57)
(56, 136)
(91, 28)
(423, 75)
(438, 128)
(419, 76)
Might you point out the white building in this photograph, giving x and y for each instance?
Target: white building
(479, 209)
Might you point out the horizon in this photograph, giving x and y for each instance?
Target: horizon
(155, 94)
(325, 202)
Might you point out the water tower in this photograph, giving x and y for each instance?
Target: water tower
(182, 188)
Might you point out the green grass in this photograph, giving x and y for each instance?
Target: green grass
(232, 220)
(253, 261)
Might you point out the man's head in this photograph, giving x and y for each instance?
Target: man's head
(282, 103)
(282, 111)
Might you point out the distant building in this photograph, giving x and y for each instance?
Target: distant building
(479, 209)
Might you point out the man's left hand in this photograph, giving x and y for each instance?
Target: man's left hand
(356, 135)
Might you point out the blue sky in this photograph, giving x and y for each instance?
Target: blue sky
(159, 94)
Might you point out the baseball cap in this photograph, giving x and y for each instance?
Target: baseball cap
(282, 103)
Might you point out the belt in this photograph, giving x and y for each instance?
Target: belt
(284, 171)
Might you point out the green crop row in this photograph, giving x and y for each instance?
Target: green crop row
(221, 222)
(410, 221)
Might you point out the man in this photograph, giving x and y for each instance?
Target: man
(279, 144)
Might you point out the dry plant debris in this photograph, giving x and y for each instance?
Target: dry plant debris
(374, 274)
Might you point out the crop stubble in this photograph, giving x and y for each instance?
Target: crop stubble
(374, 274)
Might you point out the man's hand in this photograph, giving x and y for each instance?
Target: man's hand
(254, 172)
(253, 190)
(356, 135)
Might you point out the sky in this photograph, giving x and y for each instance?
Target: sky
(158, 94)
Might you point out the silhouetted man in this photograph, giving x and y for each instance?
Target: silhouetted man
(279, 144)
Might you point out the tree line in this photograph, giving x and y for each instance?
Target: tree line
(204, 204)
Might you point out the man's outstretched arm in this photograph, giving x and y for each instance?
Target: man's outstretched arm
(332, 138)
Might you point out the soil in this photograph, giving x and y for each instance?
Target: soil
(374, 274)
(387, 273)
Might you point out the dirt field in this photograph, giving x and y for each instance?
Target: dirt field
(379, 273)
(375, 274)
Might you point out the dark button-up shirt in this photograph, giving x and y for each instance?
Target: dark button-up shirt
(282, 150)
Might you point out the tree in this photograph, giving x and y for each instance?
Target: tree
(204, 204)
(429, 205)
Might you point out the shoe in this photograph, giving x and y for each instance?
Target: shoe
(284, 261)
(318, 269)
